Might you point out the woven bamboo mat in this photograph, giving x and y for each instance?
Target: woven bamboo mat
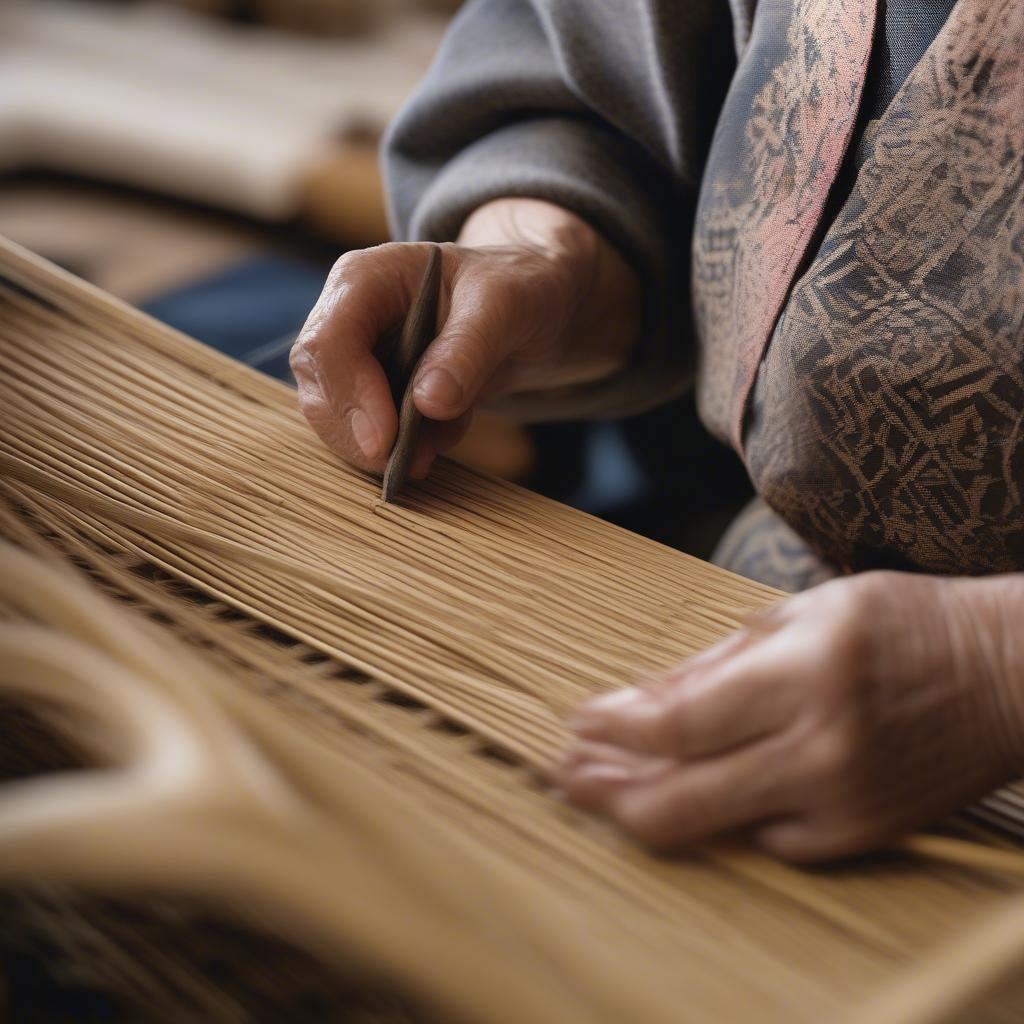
(436, 647)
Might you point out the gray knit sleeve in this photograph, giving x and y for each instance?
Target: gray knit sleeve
(604, 109)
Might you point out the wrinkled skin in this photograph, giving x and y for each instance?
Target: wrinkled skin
(844, 718)
(531, 298)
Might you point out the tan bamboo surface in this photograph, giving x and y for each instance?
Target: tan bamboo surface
(331, 719)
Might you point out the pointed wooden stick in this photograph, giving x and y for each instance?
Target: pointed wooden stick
(417, 333)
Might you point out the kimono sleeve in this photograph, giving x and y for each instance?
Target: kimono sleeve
(603, 108)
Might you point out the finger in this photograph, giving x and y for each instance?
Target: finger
(706, 659)
(342, 388)
(697, 801)
(481, 330)
(350, 411)
(803, 841)
(589, 770)
(437, 437)
(584, 754)
(708, 710)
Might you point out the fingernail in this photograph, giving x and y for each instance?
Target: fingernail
(605, 773)
(593, 720)
(439, 387)
(618, 700)
(365, 433)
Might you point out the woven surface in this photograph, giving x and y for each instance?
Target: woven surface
(437, 647)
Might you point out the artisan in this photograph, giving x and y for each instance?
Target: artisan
(812, 212)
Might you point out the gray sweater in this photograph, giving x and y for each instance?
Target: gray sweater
(605, 107)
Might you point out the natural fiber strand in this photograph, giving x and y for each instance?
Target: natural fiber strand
(391, 671)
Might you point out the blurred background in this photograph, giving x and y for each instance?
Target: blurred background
(208, 160)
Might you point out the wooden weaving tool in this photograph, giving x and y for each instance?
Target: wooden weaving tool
(297, 737)
(400, 363)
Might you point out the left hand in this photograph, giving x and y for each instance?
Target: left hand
(843, 718)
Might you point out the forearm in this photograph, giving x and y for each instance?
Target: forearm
(601, 323)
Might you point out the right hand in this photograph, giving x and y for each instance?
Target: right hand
(531, 298)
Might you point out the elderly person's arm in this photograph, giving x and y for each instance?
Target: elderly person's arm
(559, 143)
(850, 715)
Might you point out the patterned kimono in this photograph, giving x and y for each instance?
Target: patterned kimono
(873, 378)
(857, 263)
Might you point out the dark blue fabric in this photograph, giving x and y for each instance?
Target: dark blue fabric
(903, 32)
(906, 28)
(251, 311)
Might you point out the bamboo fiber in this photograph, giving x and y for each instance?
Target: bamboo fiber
(330, 718)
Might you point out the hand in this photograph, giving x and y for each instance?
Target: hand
(531, 298)
(845, 717)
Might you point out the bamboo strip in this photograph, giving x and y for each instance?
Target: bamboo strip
(157, 464)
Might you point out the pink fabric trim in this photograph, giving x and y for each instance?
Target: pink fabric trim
(845, 34)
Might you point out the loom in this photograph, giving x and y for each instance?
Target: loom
(270, 740)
